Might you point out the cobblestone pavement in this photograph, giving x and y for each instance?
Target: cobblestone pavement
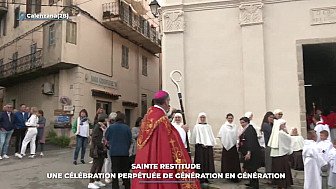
(32, 173)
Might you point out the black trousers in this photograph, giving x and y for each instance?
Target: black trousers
(97, 166)
(254, 183)
(19, 136)
(120, 164)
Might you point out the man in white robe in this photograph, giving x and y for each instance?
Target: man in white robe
(320, 126)
(313, 161)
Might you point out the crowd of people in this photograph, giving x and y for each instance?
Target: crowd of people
(115, 146)
(270, 145)
(26, 125)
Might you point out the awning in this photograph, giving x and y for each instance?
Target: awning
(129, 104)
(105, 94)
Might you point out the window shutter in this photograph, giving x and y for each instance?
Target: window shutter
(16, 17)
(38, 6)
(28, 7)
(4, 25)
(123, 57)
(127, 65)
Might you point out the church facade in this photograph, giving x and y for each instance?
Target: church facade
(238, 56)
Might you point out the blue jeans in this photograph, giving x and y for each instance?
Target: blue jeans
(81, 142)
(4, 140)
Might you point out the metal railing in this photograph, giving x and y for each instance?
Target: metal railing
(23, 64)
(128, 16)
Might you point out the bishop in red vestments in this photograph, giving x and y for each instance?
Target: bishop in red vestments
(160, 143)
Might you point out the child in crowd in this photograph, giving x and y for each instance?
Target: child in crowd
(313, 161)
(324, 145)
(332, 165)
(297, 146)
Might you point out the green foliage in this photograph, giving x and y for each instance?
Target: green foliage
(51, 134)
(61, 141)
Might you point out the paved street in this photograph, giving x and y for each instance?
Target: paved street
(31, 173)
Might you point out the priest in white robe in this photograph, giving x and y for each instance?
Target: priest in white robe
(228, 135)
(281, 143)
(313, 162)
(204, 140)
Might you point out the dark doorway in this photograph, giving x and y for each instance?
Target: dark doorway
(107, 106)
(128, 117)
(319, 62)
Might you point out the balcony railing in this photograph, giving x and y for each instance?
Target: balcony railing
(21, 65)
(119, 9)
(3, 4)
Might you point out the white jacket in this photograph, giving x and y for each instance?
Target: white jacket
(32, 121)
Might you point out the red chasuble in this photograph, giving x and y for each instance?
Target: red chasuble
(160, 143)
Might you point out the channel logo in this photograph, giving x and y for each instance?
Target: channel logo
(57, 17)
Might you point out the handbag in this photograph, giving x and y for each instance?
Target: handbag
(94, 153)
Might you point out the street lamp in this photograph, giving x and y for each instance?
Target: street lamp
(154, 6)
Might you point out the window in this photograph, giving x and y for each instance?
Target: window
(107, 106)
(1, 67)
(14, 103)
(52, 39)
(124, 61)
(4, 25)
(16, 17)
(51, 2)
(15, 57)
(128, 117)
(33, 6)
(33, 55)
(143, 104)
(67, 8)
(71, 32)
(144, 65)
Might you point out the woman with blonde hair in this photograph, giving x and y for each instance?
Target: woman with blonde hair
(30, 137)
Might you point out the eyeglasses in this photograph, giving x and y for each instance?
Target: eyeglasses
(280, 114)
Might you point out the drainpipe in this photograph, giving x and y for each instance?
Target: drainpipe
(112, 56)
(139, 77)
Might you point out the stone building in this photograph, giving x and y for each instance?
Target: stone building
(107, 55)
